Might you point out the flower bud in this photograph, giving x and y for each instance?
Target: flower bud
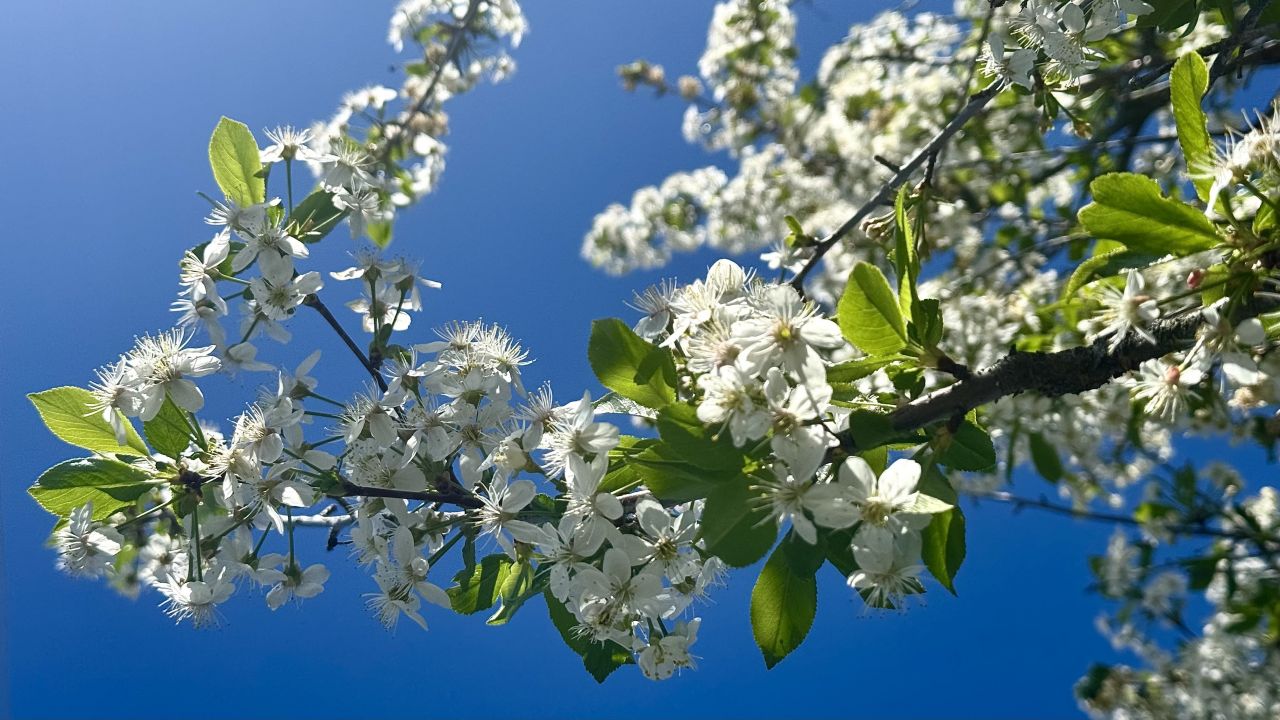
(690, 88)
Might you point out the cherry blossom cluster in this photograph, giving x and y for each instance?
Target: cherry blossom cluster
(395, 134)
(1059, 38)
(757, 354)
(1229, 669)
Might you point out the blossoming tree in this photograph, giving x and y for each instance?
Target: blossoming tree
(1029, 234)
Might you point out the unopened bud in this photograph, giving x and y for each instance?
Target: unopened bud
(690, 88)
(1194, 278)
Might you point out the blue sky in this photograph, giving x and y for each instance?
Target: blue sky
(109, 107)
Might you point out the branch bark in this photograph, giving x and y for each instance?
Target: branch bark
(465, 501)
(1058, 373)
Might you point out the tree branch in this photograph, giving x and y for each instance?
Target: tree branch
(467, 501)
(1058, 373)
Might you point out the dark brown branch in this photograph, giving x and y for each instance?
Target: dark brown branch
(313, 301)
(465, 501)
(1057, 373)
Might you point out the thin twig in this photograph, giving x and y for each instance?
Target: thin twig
(1043, 504)
(315, 302)
(972, 108)
(451, 56)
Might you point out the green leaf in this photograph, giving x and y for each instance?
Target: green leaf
(868, 312)
(237, 168)
(168, 432)
(109, 484)
(838, 546)
(735, 528)
(629, 365)
(943, 546)
(1187, 84)
(1106, 263)
(905, 258)
(970, 449)
(854, 370)
(1130, 208)
(522, 582)
(685, 435)
(783, 604)
(871, 429)
(600, 659)
(936, 485)
(1045, 458)
(478, 586)
(314, 217)
(68, 413)
(379, 233)
(669, 477)
(1170, 15)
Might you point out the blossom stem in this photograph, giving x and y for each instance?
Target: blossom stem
(199, 431)
(155, 510)
(262, 540)
(288, 181)
(322, 398)
(1266, 200)
(445, 548)
(194, 566)
(315, 302)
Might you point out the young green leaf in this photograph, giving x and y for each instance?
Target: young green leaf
(783, 604)
(868, 313)
(905, 256)
(237, 167)
(478, 586)
(168, 432)
(669, 477)
(853, 370)
(629, 365)
(943, 546)
(735, 528)
(684, 434)
(1045, 457)
(314, 217)
(522, 582)
(1130, 208)
(379, 233)
(1187, 84)
(970, 449)
(69, 415)
(109, 484)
